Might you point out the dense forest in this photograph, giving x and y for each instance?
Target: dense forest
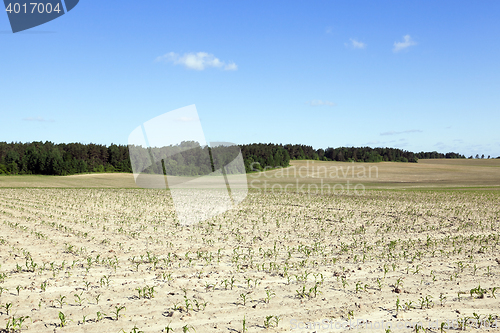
(62, 159)
(47, 158)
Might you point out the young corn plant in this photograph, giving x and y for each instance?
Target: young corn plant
(442, 298)
(386, 270)
(277, 320)
(199, 305)
(232, 282)
(350, 314)
(398, 285)
(479, 292)
(61, 301)
(409, 305)
(7, 307)
(117, 311)
(105, 280)
(244, 297)
(419, 328)
(63, 319)
(478, 319)
(176, 307)
(187, 302)
(269, 294)
(379, 283)
(302, 293)
(462, 323)
(187, 329)
(79, 299)
(359, 286)
(268, 321)
(314, 290)
(100, 315)
(168, 329)
(344, 282)
(427, 302)
(135, 329)
(210, 286)
(244, 328)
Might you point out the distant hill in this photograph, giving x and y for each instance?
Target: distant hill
(47, 158)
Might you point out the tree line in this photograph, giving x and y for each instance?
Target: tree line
(47, 158)
(188, 158)
(265, 154)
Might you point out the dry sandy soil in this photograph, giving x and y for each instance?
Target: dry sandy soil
(279, 261)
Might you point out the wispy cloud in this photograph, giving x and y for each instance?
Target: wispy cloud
(402, 132)
(39, 119)
(356, 44)
(391, 143)
(197, 61)
(329, 30)
(399, 46)
(318, 102)
(231, 67)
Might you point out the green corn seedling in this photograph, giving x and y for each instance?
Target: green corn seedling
(117, 311)
(269, 295)
(61, 301)
(63, 319)
(7, 307)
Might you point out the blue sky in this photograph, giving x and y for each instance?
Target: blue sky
(421, 75)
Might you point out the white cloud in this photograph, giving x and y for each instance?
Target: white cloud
(357, 45)
(197, 61)
(231, 67)
(398, 46)
(318, 102)
(39, 119)
(402, 132)
(329, 30)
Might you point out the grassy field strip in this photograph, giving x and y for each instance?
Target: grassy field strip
(429, 174)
